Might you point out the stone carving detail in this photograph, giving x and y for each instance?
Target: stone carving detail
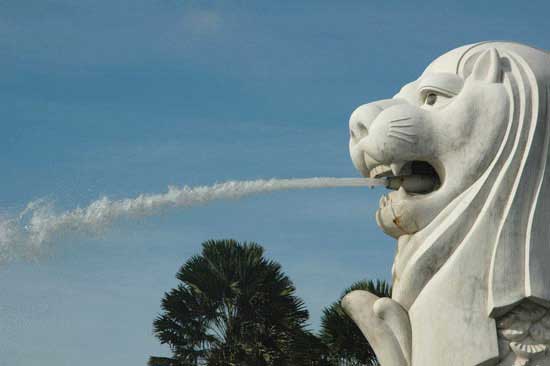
(465, 150)
(524, 335)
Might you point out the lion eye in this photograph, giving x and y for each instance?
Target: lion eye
(431, 99)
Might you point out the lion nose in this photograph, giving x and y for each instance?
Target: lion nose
(361, 119)
(358, 129)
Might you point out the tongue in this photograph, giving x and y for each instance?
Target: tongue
(413, 183)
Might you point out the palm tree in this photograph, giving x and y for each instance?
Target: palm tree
(231, 307)
(347, 345)
(309, 350)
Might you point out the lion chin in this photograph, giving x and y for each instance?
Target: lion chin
(425, 141)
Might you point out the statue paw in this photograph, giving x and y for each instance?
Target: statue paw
(384, 323)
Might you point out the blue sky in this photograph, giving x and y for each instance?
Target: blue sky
(122, 97)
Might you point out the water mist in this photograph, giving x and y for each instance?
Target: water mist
(23, 235)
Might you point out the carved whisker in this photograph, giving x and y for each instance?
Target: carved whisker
(400, 119)
(398, 131)
(401, 125)
(407, 139)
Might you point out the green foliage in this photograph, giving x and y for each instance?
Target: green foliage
(231, 307)
(344, 340)
(309, 350)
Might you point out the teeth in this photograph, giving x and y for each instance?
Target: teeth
(396, 168)
(376, 171)
(401, 192)
(379, 171)
(383, 201)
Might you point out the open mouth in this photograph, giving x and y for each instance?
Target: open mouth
(415, 177)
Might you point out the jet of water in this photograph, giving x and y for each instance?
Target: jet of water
(24, 234)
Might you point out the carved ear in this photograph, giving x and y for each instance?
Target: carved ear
(487, 67)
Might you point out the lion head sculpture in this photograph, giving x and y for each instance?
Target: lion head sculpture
(465, 150)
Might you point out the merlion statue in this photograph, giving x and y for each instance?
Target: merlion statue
(465, 148)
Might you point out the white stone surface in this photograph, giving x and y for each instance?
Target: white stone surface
(465, 147)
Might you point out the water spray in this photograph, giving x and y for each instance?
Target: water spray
(24, 234)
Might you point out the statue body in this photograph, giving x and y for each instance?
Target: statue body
(465, 147)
